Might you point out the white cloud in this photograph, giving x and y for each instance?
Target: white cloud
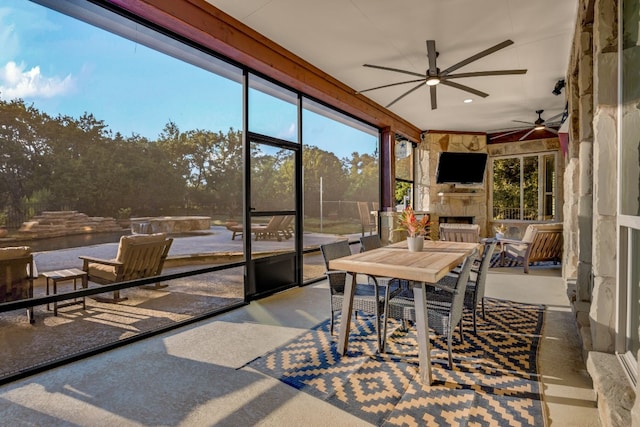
(17, 82)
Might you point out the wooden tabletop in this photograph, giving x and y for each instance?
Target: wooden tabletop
(440, 245)
(432, 264)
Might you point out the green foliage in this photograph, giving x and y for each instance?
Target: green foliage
(402, 189)
(78, 163)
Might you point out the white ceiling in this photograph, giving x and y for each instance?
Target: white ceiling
(339, 36)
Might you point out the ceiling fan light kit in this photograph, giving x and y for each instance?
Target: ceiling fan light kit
(434, 76)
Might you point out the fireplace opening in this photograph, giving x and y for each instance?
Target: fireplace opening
(455, 220)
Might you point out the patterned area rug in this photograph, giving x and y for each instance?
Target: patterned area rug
(494, 380)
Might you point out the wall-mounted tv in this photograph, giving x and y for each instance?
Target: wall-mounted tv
(461, 168)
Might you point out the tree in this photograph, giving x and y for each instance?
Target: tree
(363, 175)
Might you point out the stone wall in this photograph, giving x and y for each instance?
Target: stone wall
(65, 223)
(442, 200)
(591, 202)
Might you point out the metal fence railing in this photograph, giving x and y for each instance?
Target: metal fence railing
(521, 214)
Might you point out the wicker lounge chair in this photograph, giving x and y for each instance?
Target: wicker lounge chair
(139, 256)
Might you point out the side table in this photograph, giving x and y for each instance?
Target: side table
(74, 274)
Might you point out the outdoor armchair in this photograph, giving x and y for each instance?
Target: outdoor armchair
(16, 275)
(541, 242)
(139, 256)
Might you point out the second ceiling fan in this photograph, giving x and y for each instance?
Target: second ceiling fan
(434, 76)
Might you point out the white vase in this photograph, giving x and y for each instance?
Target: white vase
(499, 235)
(415, 244)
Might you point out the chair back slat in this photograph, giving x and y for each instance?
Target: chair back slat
(145, 259)
(460, 232)
(368, 243)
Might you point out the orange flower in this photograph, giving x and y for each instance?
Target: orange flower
(410, 223)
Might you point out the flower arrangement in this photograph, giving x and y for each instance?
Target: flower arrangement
(501, 228)
(410, 223)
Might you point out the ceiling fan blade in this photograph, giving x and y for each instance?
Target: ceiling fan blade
(411, 73)
(526, 134)
(548, 129)
(526, 123)
(554, 118)
(434, 102)
(505, 134)
(390, 85)
(465, 88)
(478, 56)
(431, 54)
(404, 94)
(484, 73)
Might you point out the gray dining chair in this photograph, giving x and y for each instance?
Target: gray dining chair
(367, 298)
(476, 288)
(445, 305)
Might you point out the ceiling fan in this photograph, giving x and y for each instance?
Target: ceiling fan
(434, 76)
(540, 124)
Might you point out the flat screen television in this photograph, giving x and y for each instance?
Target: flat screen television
(461, 168)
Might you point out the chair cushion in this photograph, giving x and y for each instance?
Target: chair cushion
(515, 250)
(14, 252)
(126, 241)
(102, 271)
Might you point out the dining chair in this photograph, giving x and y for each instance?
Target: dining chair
(396, 286)
(460, 232)
(475, 291)
(444, 310)
(366, 220)
(366, 299)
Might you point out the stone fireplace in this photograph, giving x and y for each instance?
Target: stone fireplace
(446, 202)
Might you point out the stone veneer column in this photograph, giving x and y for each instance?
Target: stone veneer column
(603, 306)
(585, 165)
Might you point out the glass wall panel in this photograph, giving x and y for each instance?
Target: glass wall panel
(272, 178)
(110, 133)
(530, 188)
(630, 129)
(633, 305)
(506, 188)
(524, 187)
(628, 342)
(273, 110)
(340, 168)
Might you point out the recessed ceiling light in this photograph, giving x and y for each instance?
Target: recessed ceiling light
(468, 101)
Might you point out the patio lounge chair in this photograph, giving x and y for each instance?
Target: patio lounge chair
(279, 226)
(16, 275)
(139, 256)
(541, 242)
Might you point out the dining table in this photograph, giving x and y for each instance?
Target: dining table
(435, 261)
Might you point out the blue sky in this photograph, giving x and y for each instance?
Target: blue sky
(64, 66)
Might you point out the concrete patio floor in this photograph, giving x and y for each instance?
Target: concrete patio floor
(191, 376)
